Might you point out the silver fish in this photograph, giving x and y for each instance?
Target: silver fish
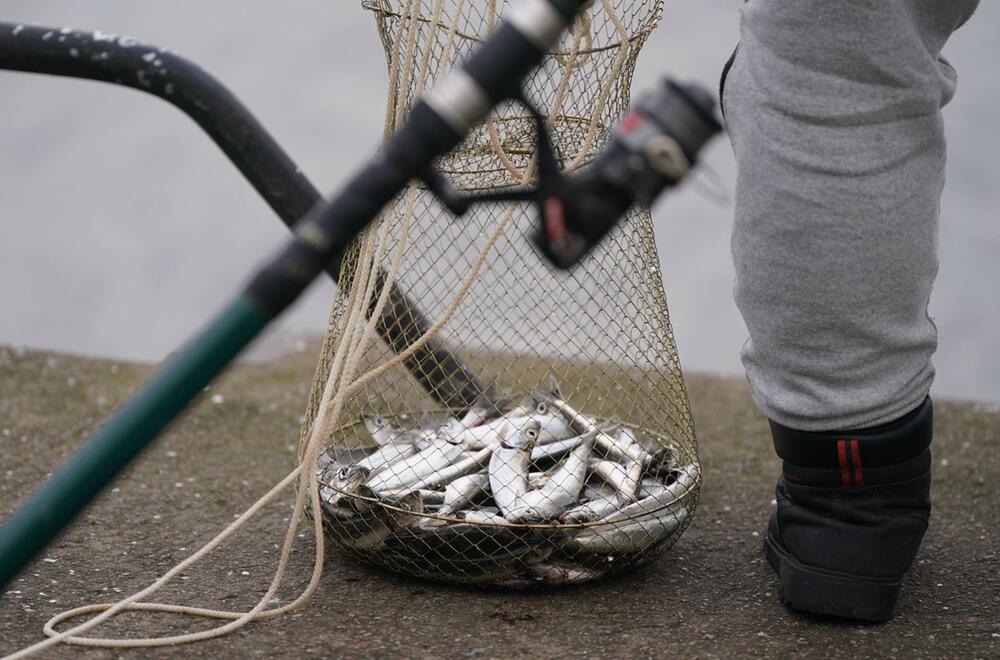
(382, 431)
(624, 478)
(579, 423)
(529, 405)
(385, 432)
(509, 466)
(463, 490)
(325, 459)
(339, 485)
(479, 516)
(624, 446)
(630, 537)
(554, 449)
(602, 500)
(628, 530)
(488, 434)
(596, 507)
(474, 417)
(597, 489)
(599, 500)
(650, 487)
(427, 497)
(485, 413)
(386, 455)
(561, 488)
(406, 471)
(381, 523)
(463, 465)
(552, 428)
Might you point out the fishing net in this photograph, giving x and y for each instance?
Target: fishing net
(578, 457)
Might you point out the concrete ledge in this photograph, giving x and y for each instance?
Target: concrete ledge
(711, 596)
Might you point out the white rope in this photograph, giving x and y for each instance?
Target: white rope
(342, 382)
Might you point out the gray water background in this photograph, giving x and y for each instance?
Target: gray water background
(122, 228)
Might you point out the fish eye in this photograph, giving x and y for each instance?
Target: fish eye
(343, 472)
(542, 408)
(531, 433)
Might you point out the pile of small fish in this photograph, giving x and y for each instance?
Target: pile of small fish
(515, 496)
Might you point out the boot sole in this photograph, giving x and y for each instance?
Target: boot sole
(819, 591)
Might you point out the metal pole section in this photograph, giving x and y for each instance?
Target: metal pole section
(124, 61)
(435, 126)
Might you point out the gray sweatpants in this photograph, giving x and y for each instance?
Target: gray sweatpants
(834, 112)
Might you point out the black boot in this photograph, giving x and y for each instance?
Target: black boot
(852, 509)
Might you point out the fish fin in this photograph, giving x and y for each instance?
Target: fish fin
(538, 396)
(588, 438)
(554, 389)
(324, 459)
(662, 461)
(368, 419)
(608, 427)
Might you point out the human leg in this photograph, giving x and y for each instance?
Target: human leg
(833, 108)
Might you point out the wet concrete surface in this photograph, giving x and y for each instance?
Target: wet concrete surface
(712, 595)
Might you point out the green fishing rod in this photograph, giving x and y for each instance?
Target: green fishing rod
(436, 124)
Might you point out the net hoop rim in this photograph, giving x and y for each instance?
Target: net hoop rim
(382, 11)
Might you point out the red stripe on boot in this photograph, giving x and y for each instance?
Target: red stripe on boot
(856, 457)
(845, 470)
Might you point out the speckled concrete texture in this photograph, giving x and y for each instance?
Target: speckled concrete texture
(712, 595)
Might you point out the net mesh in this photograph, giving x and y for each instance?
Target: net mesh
(580, 460)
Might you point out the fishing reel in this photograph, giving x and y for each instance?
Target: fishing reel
(654, 147)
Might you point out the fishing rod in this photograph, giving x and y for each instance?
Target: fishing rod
(124, 61)
(652, 149)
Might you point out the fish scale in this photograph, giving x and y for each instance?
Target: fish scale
(561, 489)
(509, 467)
(411, 469)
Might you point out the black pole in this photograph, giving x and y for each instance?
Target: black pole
(124, 61)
